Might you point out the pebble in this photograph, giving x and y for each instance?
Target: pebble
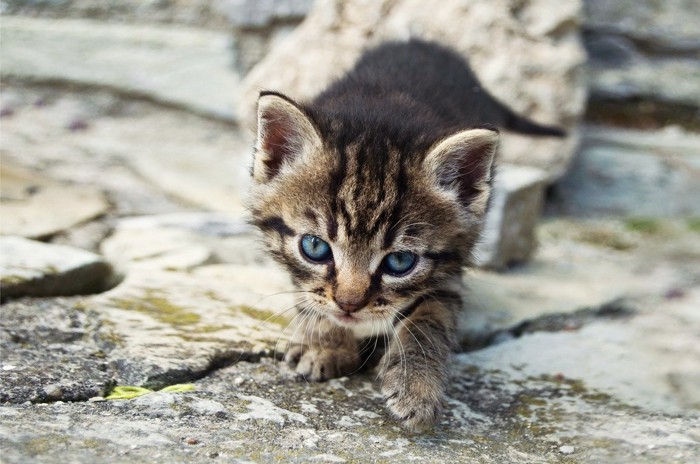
(53, 391)
(191, 441)
(567, 449)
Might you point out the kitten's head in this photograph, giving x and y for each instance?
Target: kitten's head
(367, 220)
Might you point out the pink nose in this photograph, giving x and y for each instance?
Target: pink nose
(350, 306)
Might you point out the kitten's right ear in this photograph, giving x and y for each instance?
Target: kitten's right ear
(285, 134)
(463, 164)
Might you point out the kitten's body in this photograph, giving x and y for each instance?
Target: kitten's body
(390, 166)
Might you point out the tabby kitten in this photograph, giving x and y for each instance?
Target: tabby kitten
(372, 195)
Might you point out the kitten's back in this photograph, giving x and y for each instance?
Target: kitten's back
(435, 79)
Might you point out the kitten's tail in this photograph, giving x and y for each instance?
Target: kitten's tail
(519, 124)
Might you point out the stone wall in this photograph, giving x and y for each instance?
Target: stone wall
(644, 50)
(639, 151)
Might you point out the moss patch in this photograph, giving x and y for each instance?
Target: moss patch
(606, 238)
(694, 224)
(262, 315)
(160, 308)
(44, 445)
(643, 225)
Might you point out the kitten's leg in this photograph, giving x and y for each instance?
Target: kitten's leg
(414, 370)
(321, 350)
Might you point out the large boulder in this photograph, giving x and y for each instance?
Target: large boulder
(527, 54)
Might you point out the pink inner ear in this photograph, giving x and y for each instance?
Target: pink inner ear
(474, 172)
(276, 142)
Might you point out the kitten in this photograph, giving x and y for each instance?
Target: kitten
(372, 196)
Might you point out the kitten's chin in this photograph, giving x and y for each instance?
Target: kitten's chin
(345, 320)
(361, 326)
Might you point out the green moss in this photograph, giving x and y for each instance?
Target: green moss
(160, 308)
(606, 238)
(195, 338)
(8, 280)
(694, 224)
(111, 337)
(262, 315)
(204, 329)
(45, 445)
(93, 443)
(643, 225)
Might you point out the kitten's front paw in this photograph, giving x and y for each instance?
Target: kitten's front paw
(319, 364)
(417, 403)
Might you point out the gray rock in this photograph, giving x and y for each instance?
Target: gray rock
(185, 12)
(38, 269)
(182, 241)
(671, 24)
(250, 46)
(34, 206)
(259, 25)
(261, 13)
(178, 66)
(634, 173)
(528, 57)
(49, 353)
(202, 223)
(509, 231)
(160, 248)
(644, 50)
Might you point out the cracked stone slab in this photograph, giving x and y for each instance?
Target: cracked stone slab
(255, 412)
(34, 206)
(164, 327)
(49, 353)
(34, 268)
(181, 66)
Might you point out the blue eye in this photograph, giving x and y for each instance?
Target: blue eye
(399, 263)
(315, 249)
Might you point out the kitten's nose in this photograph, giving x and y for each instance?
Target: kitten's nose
(349, 306)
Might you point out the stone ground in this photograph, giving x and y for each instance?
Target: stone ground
(588, 353)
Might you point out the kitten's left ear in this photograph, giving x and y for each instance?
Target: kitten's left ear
(462, 163)
(285, 133)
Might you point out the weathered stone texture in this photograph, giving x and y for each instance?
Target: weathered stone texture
(176, 66)
(644, 49)
(633, 173)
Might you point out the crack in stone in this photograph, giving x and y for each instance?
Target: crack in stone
(619, 308)
(218, 361)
